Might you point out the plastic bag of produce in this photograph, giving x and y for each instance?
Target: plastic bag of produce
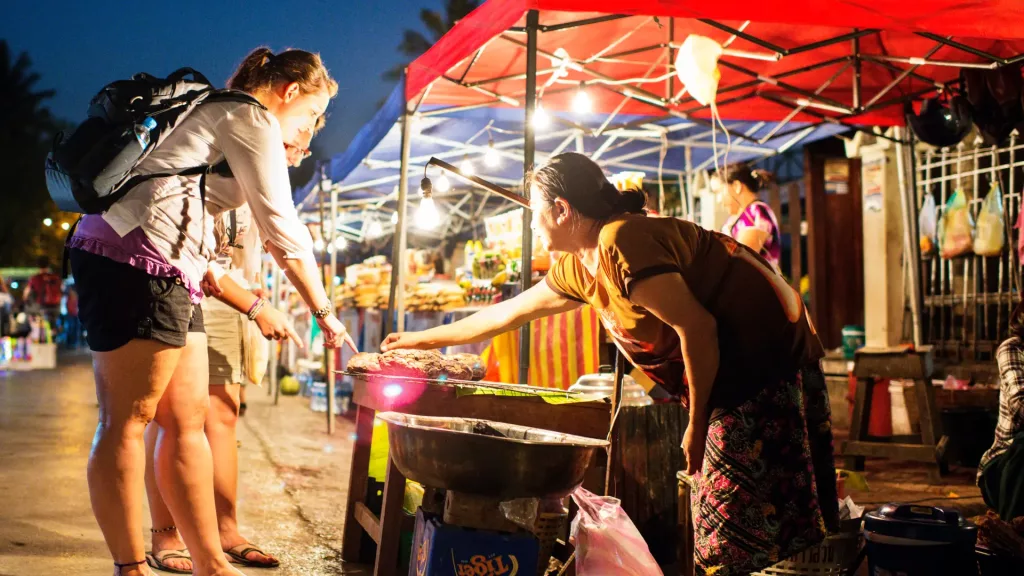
(927, 224)
(990, 239)
(607, 542)
(956, 227)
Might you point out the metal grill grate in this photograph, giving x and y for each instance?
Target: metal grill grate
(967, 301)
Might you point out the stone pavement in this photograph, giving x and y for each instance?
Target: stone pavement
(291, 491)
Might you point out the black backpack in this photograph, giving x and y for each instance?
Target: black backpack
(94, 167)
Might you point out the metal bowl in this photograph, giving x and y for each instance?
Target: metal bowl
(488, 458)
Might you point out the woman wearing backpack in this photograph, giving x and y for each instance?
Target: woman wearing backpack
(139, 268)
(238, 251)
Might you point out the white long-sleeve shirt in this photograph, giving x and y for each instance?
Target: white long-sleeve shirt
(160, 226)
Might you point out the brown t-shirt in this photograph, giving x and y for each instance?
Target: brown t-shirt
(763, 331)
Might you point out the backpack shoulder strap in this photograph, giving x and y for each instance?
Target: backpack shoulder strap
(227, 95)
(232, 227)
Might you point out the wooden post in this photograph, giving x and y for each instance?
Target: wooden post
(358, 474)
(796, 249)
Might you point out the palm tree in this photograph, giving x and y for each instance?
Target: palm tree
(26, 131)
(414, 43)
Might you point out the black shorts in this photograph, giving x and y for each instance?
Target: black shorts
(118, 303)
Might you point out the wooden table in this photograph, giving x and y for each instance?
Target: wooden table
(590, 419)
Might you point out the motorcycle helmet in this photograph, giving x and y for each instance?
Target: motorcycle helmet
(940, 124)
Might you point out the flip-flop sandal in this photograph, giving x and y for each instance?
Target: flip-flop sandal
(158, 561)
(238, 555)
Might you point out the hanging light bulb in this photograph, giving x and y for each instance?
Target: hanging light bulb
(467, 167)
(376, 229)
(541, 120)
(443, 184)
(581, 103)
(340, 243)
(394, 217)
(318, 245)
(427, 217)
(491, 157)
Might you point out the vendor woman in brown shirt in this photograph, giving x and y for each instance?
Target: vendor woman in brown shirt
(710, 321)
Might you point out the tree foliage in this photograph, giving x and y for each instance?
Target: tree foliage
(27, 130)
(415, 42)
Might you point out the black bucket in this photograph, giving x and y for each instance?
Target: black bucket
(919, 541)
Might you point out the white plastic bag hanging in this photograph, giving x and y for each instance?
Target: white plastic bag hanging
(927, 224)
(697, 67)
(607, 542)
(956, 227)
(989, 239)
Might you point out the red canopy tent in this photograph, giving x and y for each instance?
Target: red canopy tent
(817, 50)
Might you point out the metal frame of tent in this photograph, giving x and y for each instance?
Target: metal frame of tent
(828, 86)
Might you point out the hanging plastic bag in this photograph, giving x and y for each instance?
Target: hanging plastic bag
(255, 352)
(697, 67)
(1020, 237)
(607, 542)
(956, 227)
(990, 239)
(927, 224)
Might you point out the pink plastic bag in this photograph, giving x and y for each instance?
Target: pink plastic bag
(606, 540)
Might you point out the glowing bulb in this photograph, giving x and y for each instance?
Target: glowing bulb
(427, 217)
(318, 245)
(47, 222)
(467, 167)
(65, 226)
(377, 229)
(15, 285)
(394, 217)
(581, 103)
(340, 243)
(541, 120)
(337, 280)
(491, 157)
(442, 184)
(392, 390)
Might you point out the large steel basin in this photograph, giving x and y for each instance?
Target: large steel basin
(488, 458)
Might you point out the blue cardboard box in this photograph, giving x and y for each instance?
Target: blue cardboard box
(440, 549)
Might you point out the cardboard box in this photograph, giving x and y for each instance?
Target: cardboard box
(440, 549)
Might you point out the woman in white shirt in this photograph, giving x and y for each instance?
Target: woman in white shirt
(139, 269)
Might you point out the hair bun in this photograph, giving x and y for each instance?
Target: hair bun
(631, 201)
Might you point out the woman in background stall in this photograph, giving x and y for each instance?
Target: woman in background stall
(751, 222)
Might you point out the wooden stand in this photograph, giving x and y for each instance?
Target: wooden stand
(590, 419)
(897, 363)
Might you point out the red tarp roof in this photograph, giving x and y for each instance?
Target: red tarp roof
(994, 26)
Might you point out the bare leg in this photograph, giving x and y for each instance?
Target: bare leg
(163, 537)
(184, 467)
(129, 384)
(221, 424)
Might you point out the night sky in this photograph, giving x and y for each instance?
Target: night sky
(79, 46)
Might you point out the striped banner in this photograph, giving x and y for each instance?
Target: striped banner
(562, 348)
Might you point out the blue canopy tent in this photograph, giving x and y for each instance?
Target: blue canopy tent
(364, 178)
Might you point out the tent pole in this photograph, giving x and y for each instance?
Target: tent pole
(275, 301)
(329, 354)
(529, 151)
(691, 201)
(396, 300)
(908, 199)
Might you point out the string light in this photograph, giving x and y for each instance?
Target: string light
(340, 243)
(581, 103)
(427, 217)
(377, 229)
(442, 184)
(541, 120)
(65, 226)
(47, 222)
(318, 245)
(491, 157)
(467, 167)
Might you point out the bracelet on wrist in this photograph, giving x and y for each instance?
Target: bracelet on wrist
(322, 312)
(255, 308)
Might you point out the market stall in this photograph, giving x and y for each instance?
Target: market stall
(788, 72)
